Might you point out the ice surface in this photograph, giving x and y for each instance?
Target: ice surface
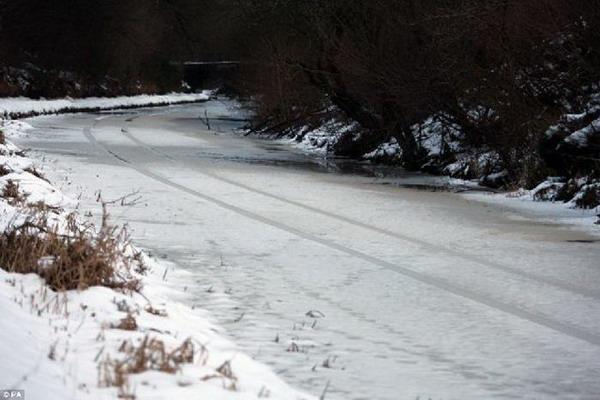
(428, 294)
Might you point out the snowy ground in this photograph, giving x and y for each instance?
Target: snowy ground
(15, 107)
(384, 291)
(62, 345)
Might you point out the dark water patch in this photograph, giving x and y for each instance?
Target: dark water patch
(443, 187)
(114, 112)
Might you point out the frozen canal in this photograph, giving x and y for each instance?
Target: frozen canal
(385, 292)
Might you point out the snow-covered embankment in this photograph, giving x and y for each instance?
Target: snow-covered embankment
(20, 107)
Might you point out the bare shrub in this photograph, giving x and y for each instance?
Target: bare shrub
(2, 137)
(69, 257)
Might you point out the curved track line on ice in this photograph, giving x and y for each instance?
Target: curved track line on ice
(536, 318)
(595, 294)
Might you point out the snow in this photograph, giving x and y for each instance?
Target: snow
(476, 164)
(581, 137)
(14, 128)
(322, 139)
(56, 346)
(545, 191)
(581, 193)
(424, 294)
(36, 190)
(63, 338)
(14, 107)
(388, 150)
(435, 136)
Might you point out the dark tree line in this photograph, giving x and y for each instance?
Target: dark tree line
(130, 44)
(503, 71)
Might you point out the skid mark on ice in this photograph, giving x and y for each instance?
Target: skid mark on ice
(429, 246)
(536, 318)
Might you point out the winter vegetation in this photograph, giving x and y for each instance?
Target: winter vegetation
(505, 92)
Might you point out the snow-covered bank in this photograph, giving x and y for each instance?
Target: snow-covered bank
(102, 343)
(19, 107)
(70, 345)
(558, 199)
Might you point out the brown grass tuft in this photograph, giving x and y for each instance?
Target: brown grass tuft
(127, 324)
(74, 257)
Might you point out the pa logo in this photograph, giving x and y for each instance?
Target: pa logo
(12, 394)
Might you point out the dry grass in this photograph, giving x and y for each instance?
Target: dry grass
(41, 207)
(149, 355)
(74, 257)
(224, 372)
(127, 324)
